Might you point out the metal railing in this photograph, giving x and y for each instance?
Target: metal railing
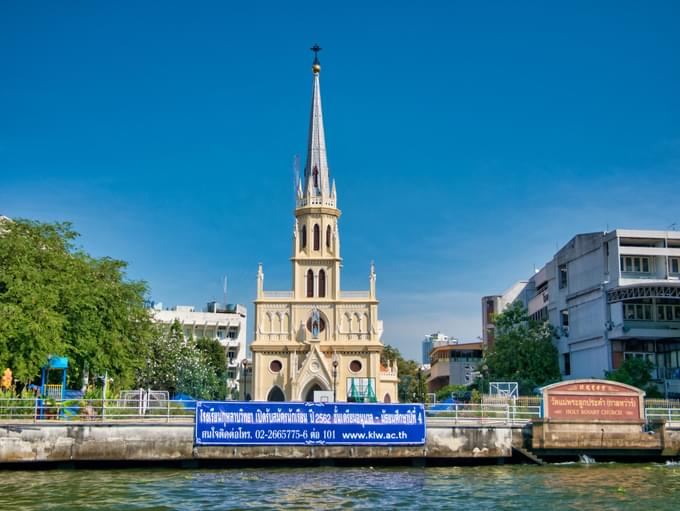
(670, 415)
(94, 410)
(484, 413)
(37, 410)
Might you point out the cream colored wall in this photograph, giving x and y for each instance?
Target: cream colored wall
(345, 321)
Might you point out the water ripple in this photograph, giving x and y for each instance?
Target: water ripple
(574, 486)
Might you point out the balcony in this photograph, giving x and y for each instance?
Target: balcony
(315, 201)
(354, 295)
(277, 294)
(645, 329)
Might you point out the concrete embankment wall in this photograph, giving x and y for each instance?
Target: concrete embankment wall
(28, 443)
(594, 436)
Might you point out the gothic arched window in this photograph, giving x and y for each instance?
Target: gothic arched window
(310, 283)
(303, 241)
(322, 283)
(317, 236)
(328, 236)
(315, 173)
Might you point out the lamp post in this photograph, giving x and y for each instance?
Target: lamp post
(420, 384)
(335, 375)
(245, 379)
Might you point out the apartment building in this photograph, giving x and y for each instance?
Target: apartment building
(612, 296)
(453, 364)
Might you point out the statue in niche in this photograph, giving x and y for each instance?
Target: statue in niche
(316, 322)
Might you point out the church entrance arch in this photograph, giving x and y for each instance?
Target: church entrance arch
(309, 393)
(276, 394)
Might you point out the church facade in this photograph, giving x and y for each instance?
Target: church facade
(317, 337)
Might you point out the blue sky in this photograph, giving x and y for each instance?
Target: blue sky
(468, 140)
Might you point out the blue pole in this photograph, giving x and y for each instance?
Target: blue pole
(63, 385)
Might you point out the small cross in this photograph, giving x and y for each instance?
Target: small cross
(316, 49)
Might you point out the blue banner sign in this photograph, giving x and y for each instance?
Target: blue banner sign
(259, 423)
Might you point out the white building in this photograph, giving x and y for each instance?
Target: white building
(613, 296)
(226, 324)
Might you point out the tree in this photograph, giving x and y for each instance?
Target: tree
(636, 372)
(523, 351)
(56, 299)
(164, 359)
(184, 366)
(411, 382)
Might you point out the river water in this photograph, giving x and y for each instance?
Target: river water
(562, 486)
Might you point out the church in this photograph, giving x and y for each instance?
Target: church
(317, 340)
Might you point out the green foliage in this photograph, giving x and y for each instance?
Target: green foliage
(523, 351)
(56, 299)
(636, 372)
(411, 385)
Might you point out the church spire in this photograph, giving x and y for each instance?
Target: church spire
(316, 168)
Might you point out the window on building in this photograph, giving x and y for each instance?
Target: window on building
(328, 236)
(310, 283)
(563, 276)
(564, 321)
(637, 311)
(668, 312)
(567, 363)
(317, 236)
(322, 284)
(303, 237)
(650, 356)
(220, 333)
(674, 265)
(315, 173)
(232, 333)
(636, 264)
